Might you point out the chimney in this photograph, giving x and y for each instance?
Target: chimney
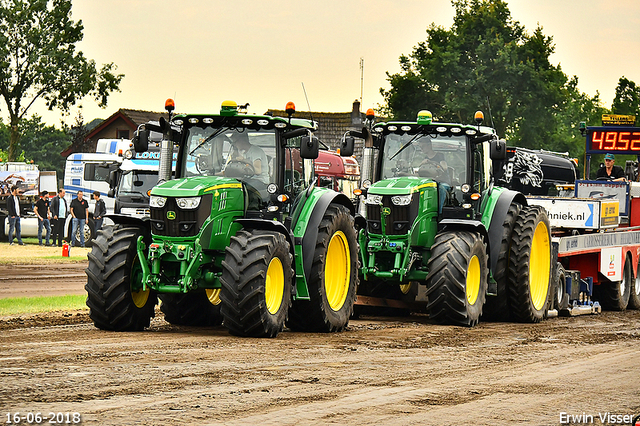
(356, 116)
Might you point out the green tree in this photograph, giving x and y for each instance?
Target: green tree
(487, 61)
(627, 100)
(38, 60)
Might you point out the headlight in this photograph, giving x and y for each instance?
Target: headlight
(188, 203)
(401, 200)
(155, 201)
(373, 199)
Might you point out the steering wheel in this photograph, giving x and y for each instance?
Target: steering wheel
(433, 170)
(239, 168)
(203, 163)
(604, 178)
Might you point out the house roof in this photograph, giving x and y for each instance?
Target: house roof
(132, 117)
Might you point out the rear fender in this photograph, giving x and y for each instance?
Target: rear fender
(305, 230)
(498, 213)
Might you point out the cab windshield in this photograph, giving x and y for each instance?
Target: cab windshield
(441, 158)
(236, 152)
(137, 182)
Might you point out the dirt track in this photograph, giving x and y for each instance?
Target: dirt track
(380, 371)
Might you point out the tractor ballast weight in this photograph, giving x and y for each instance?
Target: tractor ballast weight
(433, 217)
(241, 235)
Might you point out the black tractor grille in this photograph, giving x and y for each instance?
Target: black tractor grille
(398, 222)
(187, 223)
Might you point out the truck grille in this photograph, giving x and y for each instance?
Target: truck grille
(187, 223)
(398, 222)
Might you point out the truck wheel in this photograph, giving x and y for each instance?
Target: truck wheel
(530, 265)
(256, 284)
(115, 297)
(196, 309)
(334, 276)
(614, 296)
(634, 293)
(458, 278)
(496, 308)
(89, 232)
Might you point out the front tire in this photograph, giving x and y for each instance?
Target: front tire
(193, 309)
(115, 297)
(256, 284)
(334, 276)
(458, 278)
(530, 265)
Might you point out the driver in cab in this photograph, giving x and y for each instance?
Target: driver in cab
(428, 162)
(610, 171)
(253, 156)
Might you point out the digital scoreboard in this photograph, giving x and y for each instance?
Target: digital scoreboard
(613, 139)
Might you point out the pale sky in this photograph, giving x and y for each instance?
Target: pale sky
(203, 52)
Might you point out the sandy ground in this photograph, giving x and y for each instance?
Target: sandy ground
(42, 280)
(394, 371)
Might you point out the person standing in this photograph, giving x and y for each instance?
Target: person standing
(13, 206)
(59, 211)
(79, 211)
(610, 171)
(99, 211)
(42, 212)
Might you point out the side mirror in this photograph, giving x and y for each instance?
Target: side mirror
(498, 150)
(111, 193)
(113, 179)
(347, 146)
(309, 147)
(141, 140)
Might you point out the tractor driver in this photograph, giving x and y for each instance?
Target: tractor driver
(252, 155)
(429, 162)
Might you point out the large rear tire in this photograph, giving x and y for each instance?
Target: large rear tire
(115, 297)
(458, 277)
(334, 276)
(496, 308)
(614, 296)
(634, 293)
(201, 308)
(256, 284)
(530, 265)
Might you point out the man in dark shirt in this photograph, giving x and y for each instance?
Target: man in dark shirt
(99, 211)
(42, 211)
(79, 211)
(610, 171)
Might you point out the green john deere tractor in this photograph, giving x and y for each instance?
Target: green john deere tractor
(432, 217)
(241, 235)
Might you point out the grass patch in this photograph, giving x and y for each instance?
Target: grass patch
(28, 305)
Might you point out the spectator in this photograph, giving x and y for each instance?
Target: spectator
(79, 211)
(13, 207)
(58, 209)
(99, 211)
(42, 212)
(610, 171)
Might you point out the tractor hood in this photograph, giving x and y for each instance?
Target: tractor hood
(194, 186)
(401, 186)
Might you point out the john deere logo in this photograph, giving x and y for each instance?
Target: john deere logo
(386, 211)
(171, 215)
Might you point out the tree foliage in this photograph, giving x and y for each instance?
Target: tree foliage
(627, 100)
(487, 61)
(40, 144)
(38, 60)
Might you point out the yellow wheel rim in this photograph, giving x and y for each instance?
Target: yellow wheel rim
(404, 288)
(140, 297)
(473, 280)
(213, 294)
(540, 266)
(337, 271)
(274, 286)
